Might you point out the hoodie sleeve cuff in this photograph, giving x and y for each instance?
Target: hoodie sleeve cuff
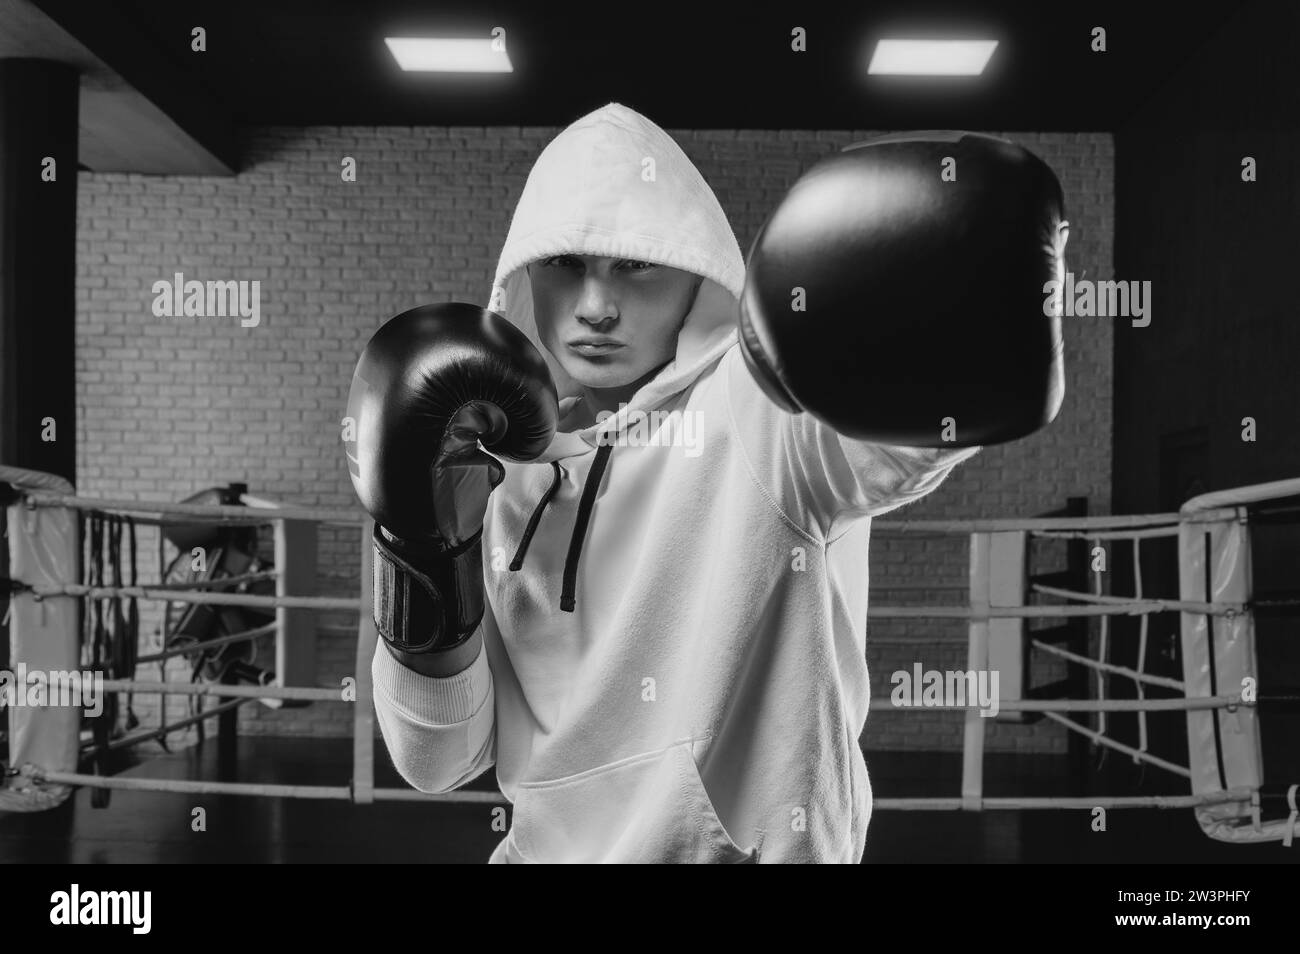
(429, 699)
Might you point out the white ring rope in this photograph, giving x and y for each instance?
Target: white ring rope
(338, 792)
(1132, 608)
(158, 512)
(1098, 665)
(1107, 741)
(189, 649)
(218, 599)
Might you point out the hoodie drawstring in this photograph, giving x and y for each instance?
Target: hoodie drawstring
(589, 489)
(518, 562)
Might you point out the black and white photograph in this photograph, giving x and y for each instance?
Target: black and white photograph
(606, 433)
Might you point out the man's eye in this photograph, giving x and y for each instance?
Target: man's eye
(560, 261)
(638, 266)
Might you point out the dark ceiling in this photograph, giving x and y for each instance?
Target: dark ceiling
(727, 66)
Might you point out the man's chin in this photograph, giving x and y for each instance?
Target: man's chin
(590, 374)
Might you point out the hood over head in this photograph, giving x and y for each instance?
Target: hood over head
(614, 184)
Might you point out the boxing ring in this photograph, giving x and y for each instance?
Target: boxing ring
(1229, 792)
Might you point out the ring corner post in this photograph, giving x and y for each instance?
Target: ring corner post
(363, 719)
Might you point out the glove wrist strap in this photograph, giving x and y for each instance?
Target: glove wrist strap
(426, 599)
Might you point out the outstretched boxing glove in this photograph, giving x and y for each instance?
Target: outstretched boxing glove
(431, 386)
(899, 292)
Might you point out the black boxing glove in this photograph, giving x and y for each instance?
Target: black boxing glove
(924, 299)
(432, 384)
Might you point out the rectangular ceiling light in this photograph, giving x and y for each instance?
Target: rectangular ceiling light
(932, 57)
(435, 55)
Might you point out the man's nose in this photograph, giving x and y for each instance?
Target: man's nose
(595, 321)
(595, 305)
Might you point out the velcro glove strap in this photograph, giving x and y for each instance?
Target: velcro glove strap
(427, 599)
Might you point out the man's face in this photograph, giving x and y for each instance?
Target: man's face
(609, 321)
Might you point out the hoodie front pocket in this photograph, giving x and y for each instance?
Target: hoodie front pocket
(649, 808)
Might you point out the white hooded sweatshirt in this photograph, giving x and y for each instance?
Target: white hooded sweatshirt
(674, 664)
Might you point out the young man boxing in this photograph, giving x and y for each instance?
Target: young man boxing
(653, 622)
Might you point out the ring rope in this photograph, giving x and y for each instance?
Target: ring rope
(495, 798)
(1010, 705)
(216, 599)
(287, 693)
(1131, 608)
(1107, 741)
(1101, 599)
(191, 648)
(1144, 534)
(163, 730)
(219, 581)
(1096, 664)
(1059, 802)
(1037, 524)
(1087, 705)
(157, 512)
(188, 787)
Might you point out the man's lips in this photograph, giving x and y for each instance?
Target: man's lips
(594, 346)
